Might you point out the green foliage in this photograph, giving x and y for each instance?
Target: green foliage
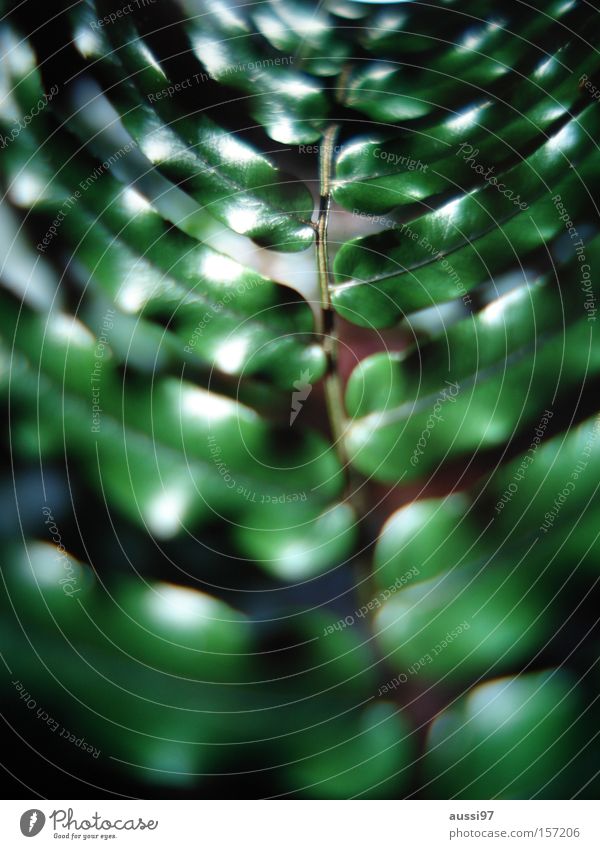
(276, 573)
(540, 711)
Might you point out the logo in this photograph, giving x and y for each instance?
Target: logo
(32, 822)
(303, 389)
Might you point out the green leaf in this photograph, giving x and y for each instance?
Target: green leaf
(139, 673)
(410, 28)
(509, 739)
(448, 252)
(289, 104)
(154, 393)
(169, 453)
(222, 314)
(476, 579)
(465, 623)
(379, 173)
(308, 33)
(457, 72)
(510, 508)
(364, 756)
(471, 387)
(291, 542)
(223, 174)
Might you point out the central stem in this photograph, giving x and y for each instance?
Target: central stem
(327, 326)
(332, 384)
